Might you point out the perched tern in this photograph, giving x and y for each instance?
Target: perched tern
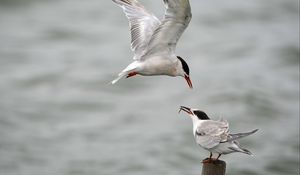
(214, 136)
(153, 41)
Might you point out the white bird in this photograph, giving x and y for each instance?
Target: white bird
(214, 136)
(153, 41)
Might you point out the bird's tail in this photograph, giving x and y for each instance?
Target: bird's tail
(130, 68)
(246, 151)
(237, 148)
(121, 75)
(233, 137)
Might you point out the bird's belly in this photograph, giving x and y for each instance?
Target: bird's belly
(158, 67)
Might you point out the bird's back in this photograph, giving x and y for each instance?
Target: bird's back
(209, 133)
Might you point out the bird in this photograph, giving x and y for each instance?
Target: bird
(153, 41)
(214, 136)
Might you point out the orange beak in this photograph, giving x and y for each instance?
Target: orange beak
(188, 80)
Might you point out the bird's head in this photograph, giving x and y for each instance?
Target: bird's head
(194, 113)
(185, 71)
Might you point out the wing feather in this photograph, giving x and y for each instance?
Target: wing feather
(212, 133)
(142, 24)
(177, 17)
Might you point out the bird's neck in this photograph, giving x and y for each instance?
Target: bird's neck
(196, 123)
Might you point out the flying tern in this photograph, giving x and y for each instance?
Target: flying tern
(153, 41)
(213, 135)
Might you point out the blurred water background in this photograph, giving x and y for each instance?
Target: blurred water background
(59, 116)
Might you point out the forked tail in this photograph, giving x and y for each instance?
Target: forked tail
(128, 71)
(121, 75)
(241, 150)
(246, 151)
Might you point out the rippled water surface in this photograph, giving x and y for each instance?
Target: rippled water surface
(58, 115)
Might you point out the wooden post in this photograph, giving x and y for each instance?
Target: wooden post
(214, 167)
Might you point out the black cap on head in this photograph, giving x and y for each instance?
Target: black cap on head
(201, 115)
(185, 66)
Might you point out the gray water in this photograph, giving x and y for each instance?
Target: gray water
(59, 116)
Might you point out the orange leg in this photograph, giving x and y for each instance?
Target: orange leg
(131, 74)
(208, 160)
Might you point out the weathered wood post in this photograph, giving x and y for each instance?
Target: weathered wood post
(217, 167)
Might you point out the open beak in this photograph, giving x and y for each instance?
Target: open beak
(188, 80)
(185, 109)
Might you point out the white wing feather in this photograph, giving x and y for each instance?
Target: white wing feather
(176, 19)
(210, 133)
(142, 25)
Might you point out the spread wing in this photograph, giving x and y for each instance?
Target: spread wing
(176, 19)
(142, 24)
(210, 133)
